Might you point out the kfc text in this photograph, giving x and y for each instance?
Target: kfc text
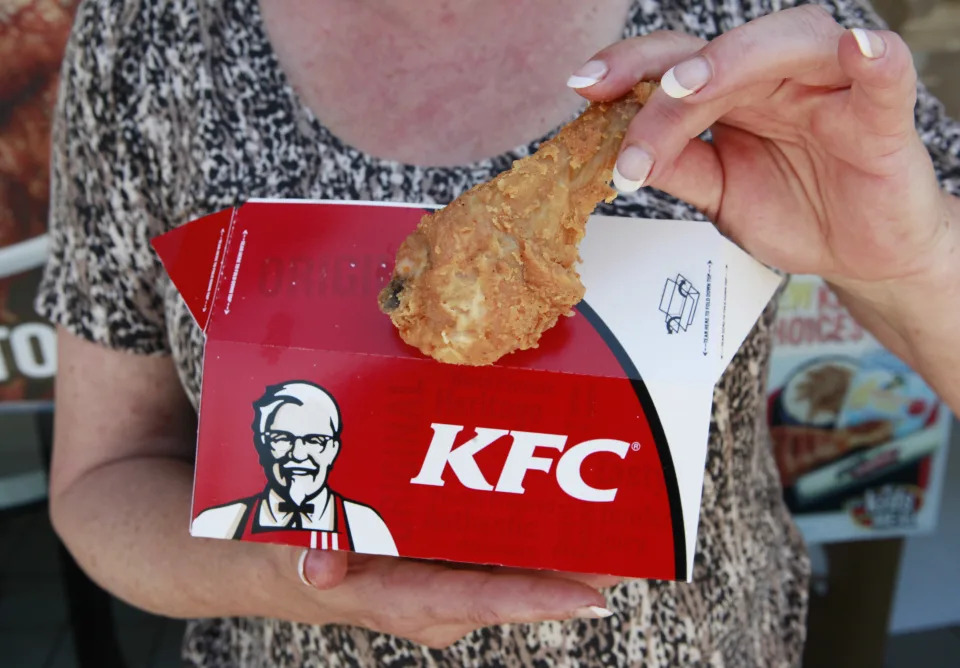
(520, 459)
(33, 351)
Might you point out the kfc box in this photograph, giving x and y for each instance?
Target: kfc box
(320, 427)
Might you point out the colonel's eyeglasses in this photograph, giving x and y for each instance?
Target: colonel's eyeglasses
(283, 439)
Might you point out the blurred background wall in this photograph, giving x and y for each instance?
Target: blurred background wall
(932, 29)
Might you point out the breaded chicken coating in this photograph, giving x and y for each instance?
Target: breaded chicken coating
(490, 272)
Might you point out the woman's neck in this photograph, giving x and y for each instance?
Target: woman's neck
(439, 82)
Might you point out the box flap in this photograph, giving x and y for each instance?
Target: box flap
(305, 274)
(677, 295)
(748, 289)
(680, 298)
(192, 255)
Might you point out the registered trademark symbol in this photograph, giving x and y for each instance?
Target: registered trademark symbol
(634, 446)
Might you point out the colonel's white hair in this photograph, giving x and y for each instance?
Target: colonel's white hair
(300, 393)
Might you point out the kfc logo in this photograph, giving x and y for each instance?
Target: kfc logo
(520, 459)
(296, 432)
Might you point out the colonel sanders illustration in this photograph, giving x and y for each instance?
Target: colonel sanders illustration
(297, 435)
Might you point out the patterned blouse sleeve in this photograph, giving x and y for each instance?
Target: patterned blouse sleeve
(102, 279)
(941, 135)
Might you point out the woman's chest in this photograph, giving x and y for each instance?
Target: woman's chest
(453, 82)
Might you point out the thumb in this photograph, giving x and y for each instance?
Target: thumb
(884, 89)
(322, 569)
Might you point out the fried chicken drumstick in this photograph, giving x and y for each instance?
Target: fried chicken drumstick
(490, 272)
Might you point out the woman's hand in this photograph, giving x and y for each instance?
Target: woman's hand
(815, 164)
(430, 603)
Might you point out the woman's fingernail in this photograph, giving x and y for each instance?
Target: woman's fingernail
(588, 75)
(686, 78)
(870, 43)
(632, 169)
(592, 612)
(301, 570)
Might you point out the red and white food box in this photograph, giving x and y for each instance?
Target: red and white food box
(319, 426)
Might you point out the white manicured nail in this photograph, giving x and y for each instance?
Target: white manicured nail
(593, 612)
(686, 78)
(588, 75)
(301, 567)
(632, 169)
(870, 44)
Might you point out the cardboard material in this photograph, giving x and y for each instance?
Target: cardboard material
(319, 426)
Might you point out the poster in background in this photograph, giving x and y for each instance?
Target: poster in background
(33, 34)
(859, 439)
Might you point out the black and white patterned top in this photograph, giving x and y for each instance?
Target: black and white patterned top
(171, 110)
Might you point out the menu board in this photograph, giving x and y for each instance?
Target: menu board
(859, 438)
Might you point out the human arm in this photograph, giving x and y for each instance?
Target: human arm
(816, 163)
(120, 487)
(917, 317)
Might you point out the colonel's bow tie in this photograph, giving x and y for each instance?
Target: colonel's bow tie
(290, 507)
